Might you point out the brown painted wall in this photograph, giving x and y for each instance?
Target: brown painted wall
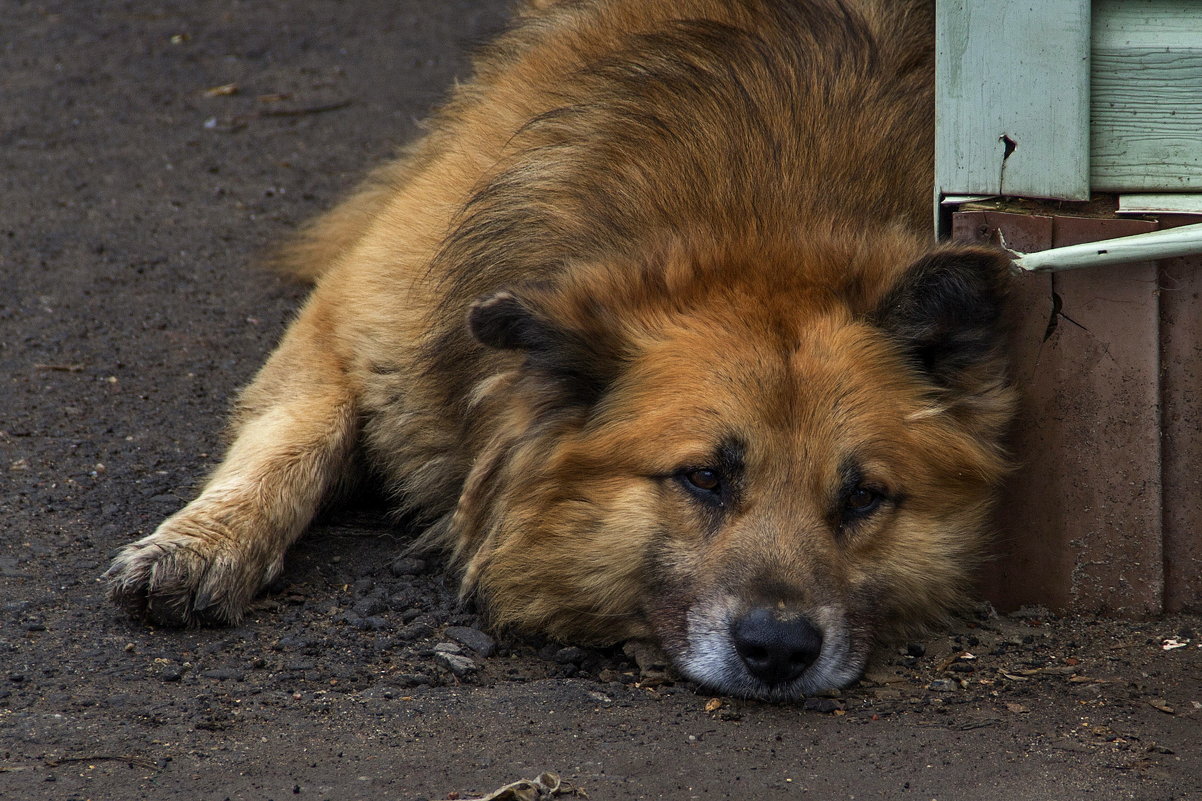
(1104, 513)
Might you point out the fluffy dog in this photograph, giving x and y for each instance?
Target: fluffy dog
(650, 331)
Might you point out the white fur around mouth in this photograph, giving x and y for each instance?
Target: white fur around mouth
(711, 659)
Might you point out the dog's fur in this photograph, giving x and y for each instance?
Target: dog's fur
(648, 328)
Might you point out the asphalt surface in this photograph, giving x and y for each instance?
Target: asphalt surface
(148, 151)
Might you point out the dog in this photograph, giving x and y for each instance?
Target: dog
(650, 331)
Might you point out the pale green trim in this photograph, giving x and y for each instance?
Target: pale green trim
(1146, 106)
(1160, 204)
(1018, 70)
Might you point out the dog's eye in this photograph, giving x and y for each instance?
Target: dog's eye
(861, 501)
(704, 479)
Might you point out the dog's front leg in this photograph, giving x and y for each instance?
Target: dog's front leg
(294, 436)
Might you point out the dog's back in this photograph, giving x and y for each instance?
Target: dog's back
(595, 129)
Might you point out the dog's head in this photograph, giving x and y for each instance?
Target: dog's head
(763, 458)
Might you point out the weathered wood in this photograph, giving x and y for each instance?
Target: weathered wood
(1032, 559)
(1107, 365)
(1012, 98)
(1146, 98)
(1176, 203)
(1147, 121)
(1181, 377)
(1080, 518)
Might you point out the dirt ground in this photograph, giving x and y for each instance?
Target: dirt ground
(133, 190)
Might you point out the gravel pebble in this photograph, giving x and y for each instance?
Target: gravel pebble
(407, 566)
(571, 655)
(475, 639)
(461, 666)
(369, 607)
(290, 641)
(222, 674)
(412, 679)
(415, 631)
(826, 705)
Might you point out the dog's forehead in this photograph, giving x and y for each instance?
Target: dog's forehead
(825, 373)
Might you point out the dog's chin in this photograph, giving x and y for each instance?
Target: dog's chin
(707, 655)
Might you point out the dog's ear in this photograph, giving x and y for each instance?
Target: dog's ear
(946, 311)
(577, 353)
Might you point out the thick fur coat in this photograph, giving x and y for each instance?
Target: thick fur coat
(649, 330)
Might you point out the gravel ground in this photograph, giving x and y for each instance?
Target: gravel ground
(147, 151)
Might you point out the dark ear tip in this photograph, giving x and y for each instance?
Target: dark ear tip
(947, 308)
(971, 270)
(990, 263)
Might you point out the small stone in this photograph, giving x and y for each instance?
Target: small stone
(370, 624)
(447, 648)
(369, 606)
(171, 673)
(290, 641)
(824, 705)
(572, 655)
(459, 665)
(415, 631)
(407, 566)
(222, 674)
(475, 639)
(412, 679)
(943, 685)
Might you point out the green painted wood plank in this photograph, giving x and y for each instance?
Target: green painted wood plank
(1171, 24)
(1017, 71)
(1175, 203)
(1146, 104)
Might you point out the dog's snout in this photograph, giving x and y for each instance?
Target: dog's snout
(776, 649)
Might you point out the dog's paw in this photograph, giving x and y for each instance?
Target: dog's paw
(185, 574)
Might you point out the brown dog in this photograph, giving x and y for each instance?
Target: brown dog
(648, 328)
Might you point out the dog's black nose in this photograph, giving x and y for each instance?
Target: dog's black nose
(776, 648)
